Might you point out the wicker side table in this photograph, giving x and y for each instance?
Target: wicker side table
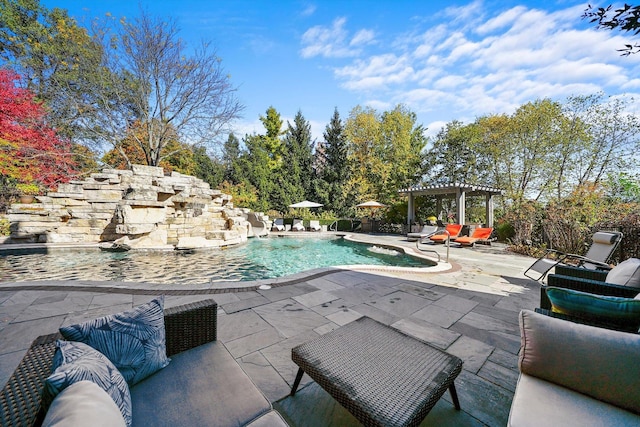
(380, 375)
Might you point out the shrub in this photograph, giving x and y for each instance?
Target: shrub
(5, 227)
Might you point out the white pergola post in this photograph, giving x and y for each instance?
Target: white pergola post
(489, 209)
(411, 211)
(460, 205)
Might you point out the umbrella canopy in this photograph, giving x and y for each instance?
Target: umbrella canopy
(371, 204)
(306, 204)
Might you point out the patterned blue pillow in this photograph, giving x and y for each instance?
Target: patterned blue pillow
(134, 341)
(75, 362)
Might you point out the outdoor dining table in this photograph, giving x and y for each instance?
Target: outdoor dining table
(379, 374)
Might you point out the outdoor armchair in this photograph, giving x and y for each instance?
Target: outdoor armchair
(604, 244)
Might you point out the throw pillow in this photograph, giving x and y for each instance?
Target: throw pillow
(134, 341)
(627, 273)
(83, 404)
(75, 361)
(591, 306)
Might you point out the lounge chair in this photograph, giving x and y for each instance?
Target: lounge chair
(604, 244)
(479, 235)
(453, 231)
(297, 225)
(278, 225)
(314, 225)
(427, 231)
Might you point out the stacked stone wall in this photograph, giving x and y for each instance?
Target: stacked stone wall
(137, 208)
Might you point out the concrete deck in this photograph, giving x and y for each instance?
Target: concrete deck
(469, 310)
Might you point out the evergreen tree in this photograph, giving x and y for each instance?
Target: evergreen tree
(230, 160)
(297, 169)
(332, 166)
(207, 169)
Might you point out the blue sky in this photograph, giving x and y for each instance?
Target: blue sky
(445, 60)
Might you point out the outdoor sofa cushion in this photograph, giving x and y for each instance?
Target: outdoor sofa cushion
(206, 383)
(83, 404)
(537, 402)
(627, 273)
(74, 362)
(592, 306)
(134, 340)
(596, 362)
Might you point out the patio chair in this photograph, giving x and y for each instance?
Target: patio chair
(453, 231)
(314, 225)
(278, 225)
(427, 231)
(604, 244)
(479, 235)
(297, 225)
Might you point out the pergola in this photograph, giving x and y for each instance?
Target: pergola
(457, 190)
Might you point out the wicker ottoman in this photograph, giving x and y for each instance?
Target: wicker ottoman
(380, 375)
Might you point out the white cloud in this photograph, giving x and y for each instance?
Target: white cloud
(333, 42)
(362, 37)
(476, 61)
(309, 10)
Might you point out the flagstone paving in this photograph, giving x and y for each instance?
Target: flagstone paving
(469, 310)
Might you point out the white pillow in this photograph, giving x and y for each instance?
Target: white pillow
(627, 273)
(83, 404)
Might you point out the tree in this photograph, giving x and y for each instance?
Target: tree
(625, 19)
(362, 132)
(333, 167)
(58, 60)
(451, 157)
(296, 173)
(155, 80)
(30, 150)
(206, 168)
(230, 160)
(128, 152)
(402, 142)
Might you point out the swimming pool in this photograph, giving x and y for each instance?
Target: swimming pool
(258, 259)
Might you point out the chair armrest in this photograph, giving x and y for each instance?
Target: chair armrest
(190, 325)
(584, 285)
(580, 272)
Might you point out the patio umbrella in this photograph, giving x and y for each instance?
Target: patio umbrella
(371, 204)
(306, 204)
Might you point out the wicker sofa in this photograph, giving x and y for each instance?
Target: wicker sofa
(575, 375)
(203, 384)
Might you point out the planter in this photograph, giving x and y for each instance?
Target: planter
(26, 199)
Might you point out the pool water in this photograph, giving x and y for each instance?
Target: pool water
(258, 259)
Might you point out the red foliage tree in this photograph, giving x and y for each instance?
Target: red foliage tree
(30, 150)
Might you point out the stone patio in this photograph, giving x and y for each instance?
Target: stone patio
(469, 310)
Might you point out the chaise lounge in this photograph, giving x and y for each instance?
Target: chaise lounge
(479, 235)
(452, 231)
